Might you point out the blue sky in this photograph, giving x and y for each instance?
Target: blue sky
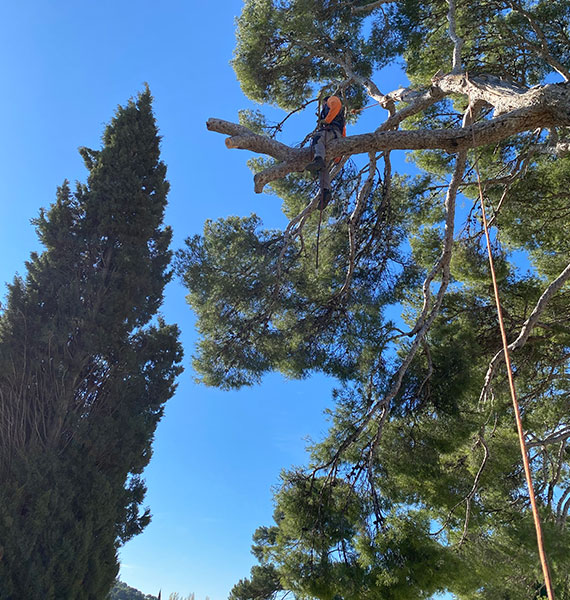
(65, 67)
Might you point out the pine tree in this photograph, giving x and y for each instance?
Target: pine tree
(85, 370)
(418, 487)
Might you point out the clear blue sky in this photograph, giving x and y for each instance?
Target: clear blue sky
(66, 65)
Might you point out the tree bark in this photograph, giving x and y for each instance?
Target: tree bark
(517, 109)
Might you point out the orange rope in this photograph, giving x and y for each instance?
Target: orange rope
(524, 451)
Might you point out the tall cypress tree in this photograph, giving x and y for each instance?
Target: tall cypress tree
(85, 370)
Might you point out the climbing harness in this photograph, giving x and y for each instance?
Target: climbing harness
(522, 442)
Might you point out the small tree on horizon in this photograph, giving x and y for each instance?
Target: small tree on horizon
(177, 596)
(122, 591)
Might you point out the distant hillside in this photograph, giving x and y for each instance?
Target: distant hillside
(122, 591)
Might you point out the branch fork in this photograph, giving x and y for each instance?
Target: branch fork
(517, 109)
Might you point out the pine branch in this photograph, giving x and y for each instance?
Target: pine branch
(369, 7)
(527, 327)
(457, 41)
(426, 318)
(516, 110)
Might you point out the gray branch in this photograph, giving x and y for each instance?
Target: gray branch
(369, 7)
(457, 41)
(557, 436)
(516, 110)
(527, 327)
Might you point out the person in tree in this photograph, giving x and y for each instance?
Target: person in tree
(331, 126)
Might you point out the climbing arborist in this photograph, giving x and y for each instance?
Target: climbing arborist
(331, 126)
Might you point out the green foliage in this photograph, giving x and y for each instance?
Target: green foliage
(86, 368)
(121, 591)
(283, 48)
(263, 584)
(418, 491)
(485, 26)
(262, 303)
(543, 198)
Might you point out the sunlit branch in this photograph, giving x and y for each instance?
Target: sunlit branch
(457, 41)
(516, 109)
(370, 7)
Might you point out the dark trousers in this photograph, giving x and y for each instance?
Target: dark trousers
(320, 141)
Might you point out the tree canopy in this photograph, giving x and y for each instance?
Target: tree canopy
(85, 369)
(418, 487)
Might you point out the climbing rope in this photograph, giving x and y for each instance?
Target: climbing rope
(522, 442)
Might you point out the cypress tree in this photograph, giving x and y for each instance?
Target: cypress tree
(85, 370)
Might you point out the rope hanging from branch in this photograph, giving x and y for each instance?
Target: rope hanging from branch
(522, 442)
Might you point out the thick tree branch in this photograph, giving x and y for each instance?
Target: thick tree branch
(504, 96)
(370, 86)
(418, 101)
(543, 106)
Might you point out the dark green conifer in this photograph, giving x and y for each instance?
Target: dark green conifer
(85, 370)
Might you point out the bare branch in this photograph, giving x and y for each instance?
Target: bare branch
(370, 7)
(544, 106)
(557, 436)
(294, 229)
(354, 221)
(457, 41)
(418, 101)
(562, 507)
(277, 171)
(527, 327)
(443, 262)
(242, 138)
(556, 472)
(370, 465)
(279, 126)
(471, 494)
(372, 89)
